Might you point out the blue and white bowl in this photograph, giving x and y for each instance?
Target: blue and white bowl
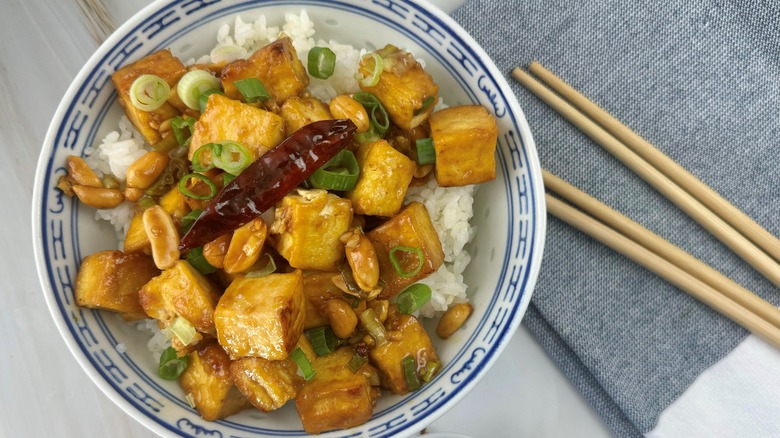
(509, 212)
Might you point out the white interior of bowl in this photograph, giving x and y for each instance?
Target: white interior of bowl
(508, 211)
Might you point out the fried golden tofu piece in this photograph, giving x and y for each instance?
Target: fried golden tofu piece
(276, 66)
(385, 175)
(464, 138)
(175, 203)
(411, 228)
(405, 89)
(414, 341)
(208, 380)
(308, 226)
(228, 119)
(110, 280)
(298, 112)
(336, 398)
(136, 239)
(267, 384)
(261, 316)
(161, 64)
(318, 289)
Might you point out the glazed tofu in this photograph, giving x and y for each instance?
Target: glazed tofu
(161, 64)
(175, 203)
(298, 112)
(336, 398)
(110, 280)
(267, 384)
(318, 289)
(181, 291)
(410, 228)
(276, 66)
(208, 380)
(414, 342)
(261, 316)
(403, 89)
(464, 138)
(385, 175)
(136, 239)
(308, 226)
(228, 119)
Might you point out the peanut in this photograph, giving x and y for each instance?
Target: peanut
(341, 316)
(453, 319)
(80, 172)
(214, 251)
(133, 194)
(145, 170)
(245, 246)
(345, 107)
(163, 236)
(98, 197)
(362, 258)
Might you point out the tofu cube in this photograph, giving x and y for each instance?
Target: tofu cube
(267, 384)
(318, 289)
(110, 280)
(175, 203)
(411, 228)
(209, 381)
(161, 64)
(276, 66)
(414, 342)
(228, 119)
(404, 90)
(464, 138)
(308, 226)
(181, 291)
(261, 316)
(136, 239)
(298, 112)
(336, 398)
(385, 175)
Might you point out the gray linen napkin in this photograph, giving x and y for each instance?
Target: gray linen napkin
(699, 79)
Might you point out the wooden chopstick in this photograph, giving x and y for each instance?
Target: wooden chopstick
(732, 238)
(731, 214)
(665, 269)
(663, 248)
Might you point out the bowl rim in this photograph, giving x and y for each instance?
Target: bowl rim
(532, 157)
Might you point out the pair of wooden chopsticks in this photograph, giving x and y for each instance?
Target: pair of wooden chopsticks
(740, 233)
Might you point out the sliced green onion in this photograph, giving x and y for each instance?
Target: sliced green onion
(145, 203)
(371, 322)
(431, 368)
(171, 365)
(203, 99)
(375, 73)
(413, 297)
(426, 103)
(193, 84)
(339, 173)
(322, 62)
(233, 157)
(380, 121)
(365, 137)
(198, 261)
(410, 373)
(166, 144)
(268, 269)
(149, 92)
(357, 362)
(397, 265)
(183, 330)
(227, 178)
(252, 90)
(206, 157)
(426, 154)
(188, 219)
(190, 400)
(323, 340)
(303, 363)
(183, 129)
(187, 192)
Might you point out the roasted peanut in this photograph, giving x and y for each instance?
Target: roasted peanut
(245, 246)
(214, 251)
(361, 257)
(133, 194)
(345, 107)
(341, 316)
(142, 173)
(98, 197)
(80, 173)
(422, 170)
(163, 236)
(452, 319)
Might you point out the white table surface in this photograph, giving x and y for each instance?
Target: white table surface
(44, 392)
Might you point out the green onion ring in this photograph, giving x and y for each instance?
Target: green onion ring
(233, 157)
(195, 83)
(397, 266)
(171, 365)
(252, 90)
(373, 77)
(187, 192)
(321, 62)
(413, 297)
(198, 165)
(340, 173)
(426, 153)
(149, 92)
(303, 363)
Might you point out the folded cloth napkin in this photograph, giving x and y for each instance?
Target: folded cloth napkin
(700, 80)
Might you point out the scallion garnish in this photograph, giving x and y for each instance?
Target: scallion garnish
(426, 154)
(322, 62)
(322, 339)
(303, 363)
(198, 261)
(205, 157)
(375, 73)
(431, 368)
(166, 144)
(364, 137)
(193, 84)
(426, 103)
(233, 157)
(187, 192)
(380, 121)
(183, 127)
(410, 373)
(357, 362)
(375, 328)
(339, 173)
(413, 297)
(268, 269)
(227, 178)
(188, 219)
(252, 90)
(183, 330)
(171, 365)
(145, 202)
(149, 92)
(397, 263)
(203, 99)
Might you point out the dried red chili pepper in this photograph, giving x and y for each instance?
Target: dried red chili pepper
(268, 179)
